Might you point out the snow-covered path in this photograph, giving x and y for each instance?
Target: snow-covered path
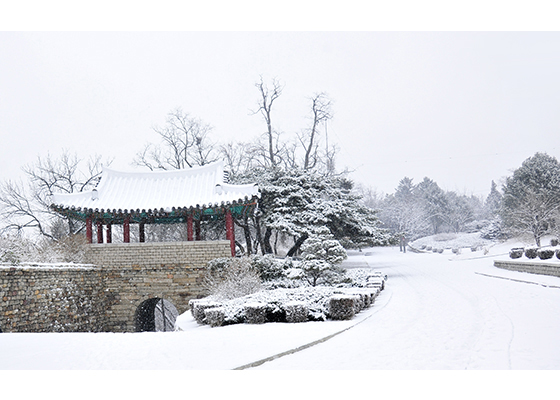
(442, 314)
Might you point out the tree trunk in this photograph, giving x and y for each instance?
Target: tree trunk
(258, 233)
(297, 245)
(247, 234)
(266, 241)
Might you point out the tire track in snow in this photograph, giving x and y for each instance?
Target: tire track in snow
(319, 341)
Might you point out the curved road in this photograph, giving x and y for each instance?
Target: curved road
(443, 314)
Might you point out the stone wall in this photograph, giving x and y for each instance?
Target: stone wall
(104, 296)
(52, 299)
(541, 268)
(194, 254)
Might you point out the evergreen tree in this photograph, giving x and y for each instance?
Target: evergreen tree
(493, 201)
(403, 213)
(322, 255)
(434, 203)
(297, 203)
(459, 211)
(531, 199)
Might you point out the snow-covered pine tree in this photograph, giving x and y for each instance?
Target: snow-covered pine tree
(493, 202)
(531, 197)
(321, 258)
(434, 202)
(297, 202)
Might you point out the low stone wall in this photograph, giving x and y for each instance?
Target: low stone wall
(52, 299)
(195, 253)
(541, 268)
(104, 296)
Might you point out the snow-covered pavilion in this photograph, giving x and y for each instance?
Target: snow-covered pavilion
(158, 197)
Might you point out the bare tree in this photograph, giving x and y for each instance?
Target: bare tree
(320, 114)
(185, 143)
(28, 205)
(265, 103)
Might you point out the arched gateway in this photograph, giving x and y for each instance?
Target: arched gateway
(134, 275)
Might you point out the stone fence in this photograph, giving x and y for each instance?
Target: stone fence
(541, 268)
(106, 295)
(52, 299)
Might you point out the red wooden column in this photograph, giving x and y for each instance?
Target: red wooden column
(230, 231)
(142, 232)
(109, 233)
(89, 230)
(126, 229)
(190, 228)
(99, 224)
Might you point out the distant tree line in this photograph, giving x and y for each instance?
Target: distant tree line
(422, 209)
(528, 204)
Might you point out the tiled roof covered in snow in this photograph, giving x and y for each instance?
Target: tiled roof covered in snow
(196, 188)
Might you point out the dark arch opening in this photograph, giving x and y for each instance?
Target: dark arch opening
(155, 314)
(144, 319)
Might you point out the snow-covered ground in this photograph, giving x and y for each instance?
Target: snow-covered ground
(438, 312)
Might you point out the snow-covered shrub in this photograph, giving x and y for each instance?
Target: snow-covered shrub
(297, 304)
(296, 311)
(558, 253)
(321, 256)
(554, 242)
(531, 252)
(269, 267)
(16, 250)
(494, 230)
(516, 252)
(228, 278)
(198, 309)
(214, 316)
(476, 226)
(545, 254)
(342, 307)
(456, 250)
(255, 313)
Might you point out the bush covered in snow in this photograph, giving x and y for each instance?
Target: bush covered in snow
(271, 268)
(545, 254)
(531, 252)
(322, 256)
(16, 250)
(493, 230)
(289, 304)
(516, 252)
(233, 278)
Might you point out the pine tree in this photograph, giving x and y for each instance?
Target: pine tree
(322, 255)
(531, 199)
(297, 203)
(493, 201)
(434, 203)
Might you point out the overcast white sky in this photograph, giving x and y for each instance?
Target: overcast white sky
(462, 108)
